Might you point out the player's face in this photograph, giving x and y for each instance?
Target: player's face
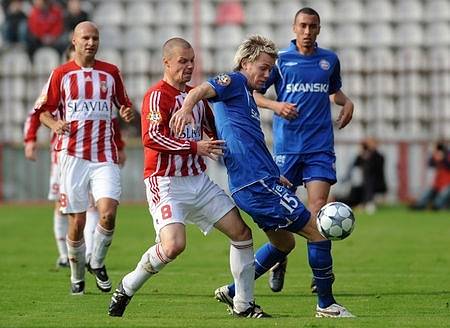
(180, 65)
(306, 28)
(86, 41)
(258, 72)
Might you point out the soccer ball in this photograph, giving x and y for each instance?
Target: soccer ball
(335, 221)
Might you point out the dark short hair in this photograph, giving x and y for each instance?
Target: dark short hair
(307, 11)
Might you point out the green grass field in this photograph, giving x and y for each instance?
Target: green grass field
(394, 271)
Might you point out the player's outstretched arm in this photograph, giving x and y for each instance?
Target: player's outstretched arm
(286, 110)
(346, 113)
(184, 115)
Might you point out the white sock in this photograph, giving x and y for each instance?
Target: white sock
(60, 224)
(151, 262)
(76, 250)
(102, 241)
(242, 264)
(92, 218)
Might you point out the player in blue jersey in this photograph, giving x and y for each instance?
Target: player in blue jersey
(305, 77)
(254, 178)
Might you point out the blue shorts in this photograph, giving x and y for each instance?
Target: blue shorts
(300, 169)
(272, 206)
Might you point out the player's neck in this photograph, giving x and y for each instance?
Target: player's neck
(305, 51)
(180, 86)
(85, 61)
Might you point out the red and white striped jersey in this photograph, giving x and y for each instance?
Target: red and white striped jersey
(85, 98)
(164, 153)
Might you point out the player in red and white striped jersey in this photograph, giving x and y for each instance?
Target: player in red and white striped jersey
(178, 190)
(31, 127)
(86, 90)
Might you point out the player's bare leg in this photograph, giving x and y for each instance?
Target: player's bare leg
(60, 226)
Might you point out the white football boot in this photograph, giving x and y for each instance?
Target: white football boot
(333, 311)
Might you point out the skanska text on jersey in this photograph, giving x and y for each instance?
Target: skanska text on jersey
(307, 87)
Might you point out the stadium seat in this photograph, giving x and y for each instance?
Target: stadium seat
(379, 11)
(15, 61)
(326, 37)
(283, 35)
(325, 9)
(45, 59)
(379, 34)
(439, 84)
(14, 88)
(112, 56)
(165, 32)
(348, 11)
(352, 59)
(409, 59)
(353, 84)
(138, 37)
(284, 8)
(110, 37)
(18, 112)
(137, 85)
(207, 14)
(381, 84)
(379, 60)
(139, 13)
(408, 10)
(137, 61)
(109, 13)
(437, 10)
(408, 34)
(438, 58)
(207, 62)
(207, 36)
(410, 84)
(264, 30)
(259, 12)
(229, 36)
(156, 65)
(170, 12)
(224, 60)
(353, 35)
(437, 33)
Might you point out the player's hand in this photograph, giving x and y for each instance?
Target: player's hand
(346, 114)
(30, 150)
(286, 110)
(60, 127)
(180, 119)
(126, 113)
(122, 157)
(285, 182)
(211, 148)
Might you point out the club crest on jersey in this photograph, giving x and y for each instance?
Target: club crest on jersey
(324, 64)
(154, 117)
(223, 79)
(40, 101)
(103, 86)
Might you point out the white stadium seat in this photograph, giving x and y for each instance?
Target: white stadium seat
(109, 55)
(325, 9)
(206, 15)
(380, 84)
(109, 13)
(326, 37)
(284, 8)
(348, 11)
(437, 33)
(411, 84)
(259, 12)
(139, 13)
(379, 60)
(437, 10)
(438, 58)
(353, 35)
(379, 11)
(379, 34)
(229, 36)
(15, 61)
(224, 60)
(409, 59)
(110, 37)
(408, 10)
(170, 12)
(45, 59)
(137, 61)
(207, 61)
(409, 34)
(14, 88)
(264, 30)
(165, 32)
(283, 35)
(138, 37)
(352, 59)
(137, 85)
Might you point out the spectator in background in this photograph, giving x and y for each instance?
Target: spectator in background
(74, 14)
(15, 25)
(46, 26)
(230, 12)
(437, 196)
(369, 167)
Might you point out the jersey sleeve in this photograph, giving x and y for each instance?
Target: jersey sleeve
(335, 78)
(156, 133)
(32, 124)
(120, 95)
(225, 86)
(50, 95)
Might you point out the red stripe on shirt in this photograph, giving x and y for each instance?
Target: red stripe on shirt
(88, 85)
(88, 124)
(73, 86)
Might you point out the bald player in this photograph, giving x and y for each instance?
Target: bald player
(178, 190)
(85, 91)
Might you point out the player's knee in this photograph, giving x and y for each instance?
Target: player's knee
(107, 219)
(316, 205)
(174, 248)
(243, 233)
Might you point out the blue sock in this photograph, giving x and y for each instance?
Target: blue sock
(321, 263)
(265, 258)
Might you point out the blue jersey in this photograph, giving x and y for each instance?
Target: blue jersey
(306, 81)
(238, 123)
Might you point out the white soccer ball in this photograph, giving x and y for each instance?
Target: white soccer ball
(335, 221)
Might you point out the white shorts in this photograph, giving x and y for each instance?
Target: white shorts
(78, 177)
(189, 199)
(53, 190)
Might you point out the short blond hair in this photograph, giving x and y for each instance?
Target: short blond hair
(251, 48)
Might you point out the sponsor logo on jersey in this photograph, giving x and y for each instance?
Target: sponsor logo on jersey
(223, 79)
(103, 86)
(83, 109)
(191, 134)
(280, 160)
(307, 87)
(324, 64)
